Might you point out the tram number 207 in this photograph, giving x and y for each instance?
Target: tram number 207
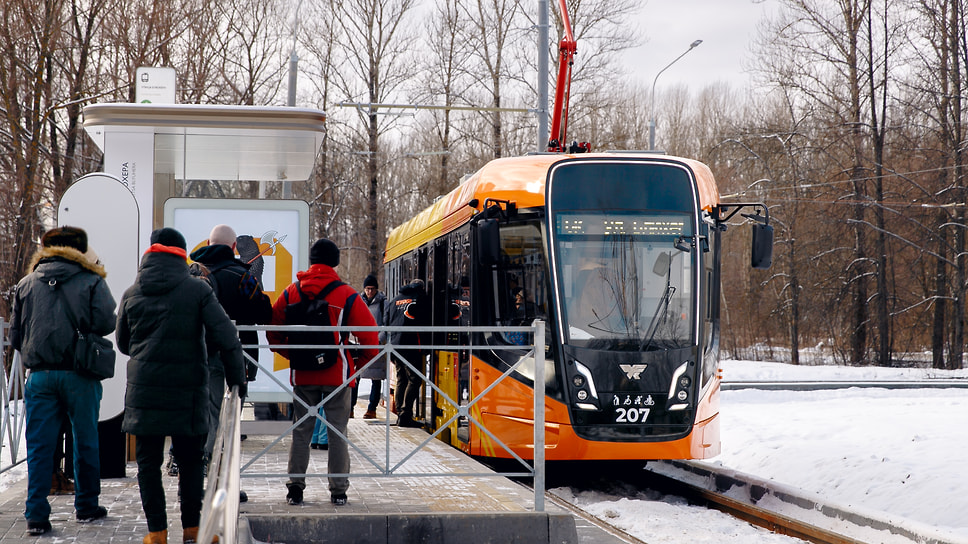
(631, 415)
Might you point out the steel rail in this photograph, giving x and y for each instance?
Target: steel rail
(668, 485)
(791, 385)
(593, 520)
(772, 521)
(787, 511)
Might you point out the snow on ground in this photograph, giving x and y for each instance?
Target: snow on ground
(891, 451)
(15, 473)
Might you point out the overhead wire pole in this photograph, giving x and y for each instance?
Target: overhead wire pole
(293, 75)
(294, 58)
(542, 106)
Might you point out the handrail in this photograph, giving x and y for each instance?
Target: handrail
(13, 421)
(220, 508)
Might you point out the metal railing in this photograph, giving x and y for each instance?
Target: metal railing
(220, 508)
(14, 418)
(221, 501)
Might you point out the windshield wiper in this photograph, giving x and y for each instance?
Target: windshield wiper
(661, 310)
(662, 267)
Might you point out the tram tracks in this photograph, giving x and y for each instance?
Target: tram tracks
(761, 517)
(779, 509)
(619, 534)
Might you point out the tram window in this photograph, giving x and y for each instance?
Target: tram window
(520, 268)
(523, 272)
(459, 276)
(522, 265)
(711, 288)
(626, 292)
(459, 295)
(630, 186)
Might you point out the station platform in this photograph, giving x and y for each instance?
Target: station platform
(411, 505)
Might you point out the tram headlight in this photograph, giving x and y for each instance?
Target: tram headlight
(682, 395)
(587, 375)
(579, 381)
(684, 381)
(676, 377)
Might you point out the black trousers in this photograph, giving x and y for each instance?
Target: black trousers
(408, 383)
(150, 453)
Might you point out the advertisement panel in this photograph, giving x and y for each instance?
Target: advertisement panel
(280, 228)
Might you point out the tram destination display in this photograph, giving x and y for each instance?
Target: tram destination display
(599, 224)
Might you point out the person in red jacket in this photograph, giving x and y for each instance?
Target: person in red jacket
(312, 386)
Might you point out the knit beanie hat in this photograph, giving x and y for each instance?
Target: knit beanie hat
(324, 252)
(168, 236)
(72, 237)
(370, 281)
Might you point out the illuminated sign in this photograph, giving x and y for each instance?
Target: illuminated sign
(599, 224)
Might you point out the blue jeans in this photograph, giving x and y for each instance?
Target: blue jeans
(376, 391)
(320, 431)
(50, 396)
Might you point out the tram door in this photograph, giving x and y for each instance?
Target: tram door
(442, 361)
(410, 267)
(448, 263)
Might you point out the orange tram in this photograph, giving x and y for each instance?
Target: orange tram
(619, 254)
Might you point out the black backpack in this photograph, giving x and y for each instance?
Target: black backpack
(247, 284)
(314, 311)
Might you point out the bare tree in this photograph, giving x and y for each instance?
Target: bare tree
(837, 63)
(252, 50)
(29, 41)
(380, 58)
(939, 39)
(145, 33)
(48, 52)
(337, 201)
(489, 28)
(445, 84)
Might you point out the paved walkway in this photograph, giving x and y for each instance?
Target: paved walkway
(369, 493)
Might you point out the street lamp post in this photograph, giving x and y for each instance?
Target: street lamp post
(692, 46)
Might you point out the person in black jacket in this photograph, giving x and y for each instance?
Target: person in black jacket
(408, 308)
(376, 372)
(164, 322)
(240, 294)
(63, 293)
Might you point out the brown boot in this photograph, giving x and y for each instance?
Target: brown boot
(156, 537)
(60, 484)
(190, 536)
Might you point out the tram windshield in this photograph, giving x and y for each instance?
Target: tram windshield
(627, 289)
(625, 275)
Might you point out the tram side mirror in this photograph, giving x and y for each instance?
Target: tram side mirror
(488, 242)
(761, 254)
(663, 263)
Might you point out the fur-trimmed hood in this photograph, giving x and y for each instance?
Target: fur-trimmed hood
(67, 254)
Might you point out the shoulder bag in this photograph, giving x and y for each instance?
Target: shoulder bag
(94, 355)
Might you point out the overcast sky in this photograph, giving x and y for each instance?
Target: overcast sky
(726, 28)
